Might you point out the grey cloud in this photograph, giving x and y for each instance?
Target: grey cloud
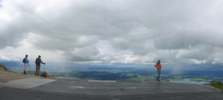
(142, 28)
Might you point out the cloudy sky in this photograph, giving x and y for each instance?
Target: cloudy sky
(112, 31)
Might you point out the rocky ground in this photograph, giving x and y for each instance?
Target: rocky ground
(14, 86)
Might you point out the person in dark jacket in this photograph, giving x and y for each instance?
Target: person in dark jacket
(38, 65)
(25, 62)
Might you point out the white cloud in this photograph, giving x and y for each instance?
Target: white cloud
(113, 31)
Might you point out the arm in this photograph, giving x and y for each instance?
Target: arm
(42, 62)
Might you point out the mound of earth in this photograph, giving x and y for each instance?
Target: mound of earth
(6, 75)
(2, 68)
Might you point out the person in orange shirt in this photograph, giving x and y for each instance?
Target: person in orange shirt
(158, 67)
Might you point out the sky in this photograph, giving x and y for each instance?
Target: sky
(112, 31)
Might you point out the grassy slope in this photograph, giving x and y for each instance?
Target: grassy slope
(7, 76)
(2, 68)
(217, 84)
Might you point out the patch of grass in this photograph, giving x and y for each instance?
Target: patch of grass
(217, 84)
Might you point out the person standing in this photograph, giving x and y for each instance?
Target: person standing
(158, 67)
(25, 62)
(38, 65)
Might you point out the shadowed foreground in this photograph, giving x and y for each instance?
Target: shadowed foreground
(107, 90)
(18, 94)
